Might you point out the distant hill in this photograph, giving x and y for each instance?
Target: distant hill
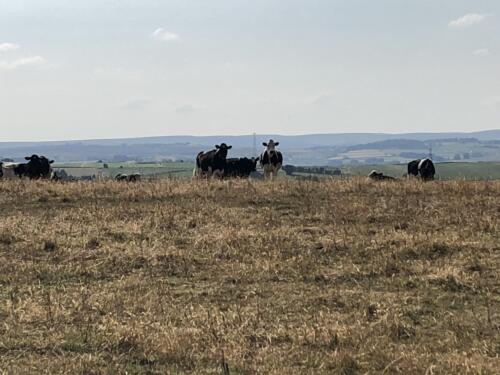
(308, 140)
(311, 149)
(403, 144)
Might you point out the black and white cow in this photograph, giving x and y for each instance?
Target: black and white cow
(379, 176)
(271, 159)
(240, 167)
(134, 177)
(413, 168)
(426, 169)
(422, 167)
(212, 163)
(36, 167)
(45, 167)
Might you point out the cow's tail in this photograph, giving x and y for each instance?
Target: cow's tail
(197, 168)
(196, 172)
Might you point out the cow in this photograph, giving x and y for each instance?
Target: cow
(240, 167)
(134, 177)
(426, 169)
(45, 169)
(36, 167)
(1, 172)
(271, 159)
(379, 176)
(422, 167)
(413, 168)
(212, 163)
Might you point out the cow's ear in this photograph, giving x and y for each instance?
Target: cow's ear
(229, 147)
(264, 144)
(217, 146)
(277, 144)
(51, 162)
(27, 157)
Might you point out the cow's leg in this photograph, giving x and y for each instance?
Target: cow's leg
(272, 173)
(210, 172)
(218, 173)
(266, 173)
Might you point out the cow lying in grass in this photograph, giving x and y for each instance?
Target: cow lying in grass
(379, 176)
(128, 177)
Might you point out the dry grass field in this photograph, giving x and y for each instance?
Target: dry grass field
(238, 277)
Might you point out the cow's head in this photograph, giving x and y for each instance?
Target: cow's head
(376, 175)
(45, 168)
(271, 145)
(222, 149)
(33, 158)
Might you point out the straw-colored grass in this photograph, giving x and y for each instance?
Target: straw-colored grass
(288, 277)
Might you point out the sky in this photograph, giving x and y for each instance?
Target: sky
(135, 68)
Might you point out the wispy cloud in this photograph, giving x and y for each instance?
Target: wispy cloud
(164, 35)
(135, 104)
(468, 20)
(483, 52)
(27, 62)
(7, 47)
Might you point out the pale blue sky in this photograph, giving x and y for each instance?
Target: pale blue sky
(96, 68)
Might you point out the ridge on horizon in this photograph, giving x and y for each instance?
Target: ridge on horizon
(350, 134)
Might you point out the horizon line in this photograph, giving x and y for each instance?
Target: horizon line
(248, 135)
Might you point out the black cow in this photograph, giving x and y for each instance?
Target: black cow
(1, 171)
(36, 167)
(45, 169)
(379, 176)
(271, 159)
(240, 167)
(212, 163)
(422, 167)
(413, 168)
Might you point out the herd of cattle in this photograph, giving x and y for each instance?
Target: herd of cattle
(210, 164)
(215, 163)
(37, 167)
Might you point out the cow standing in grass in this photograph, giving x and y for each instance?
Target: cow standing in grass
(37, 167)
(271, 159)
(212, 163)
(240, 167)
(422, 167)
